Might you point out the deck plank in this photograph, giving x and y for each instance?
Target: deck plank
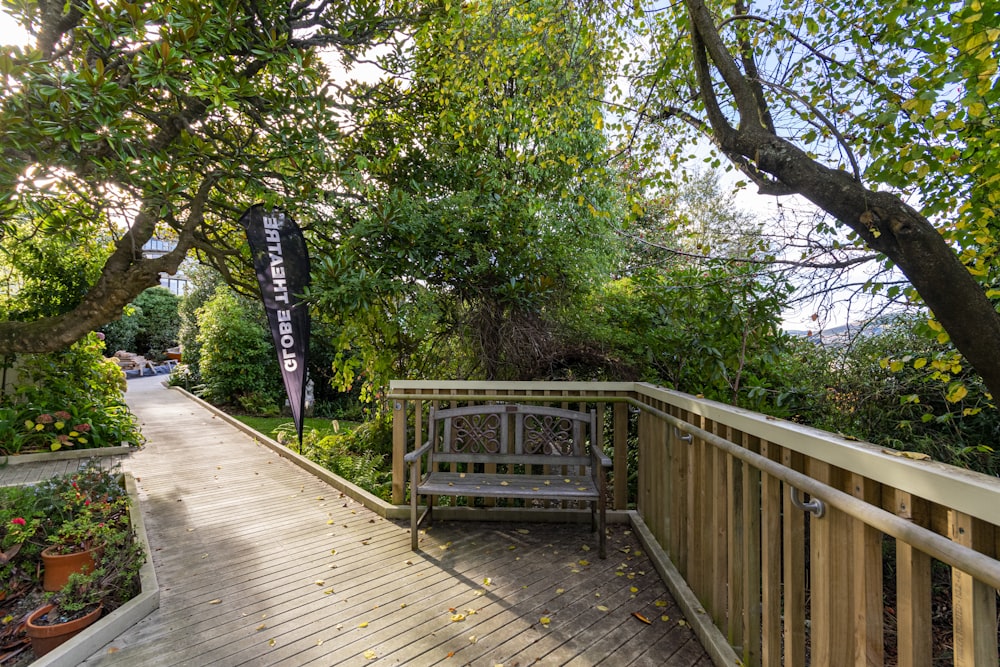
(260, 563)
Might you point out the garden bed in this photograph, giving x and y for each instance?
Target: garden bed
(112, 624)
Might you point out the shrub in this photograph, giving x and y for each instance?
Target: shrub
(120, 334)
(238, 366)
(72, 398)
(158, 321)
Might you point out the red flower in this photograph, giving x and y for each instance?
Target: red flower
(82, 428)
(18, 521)
(63, 415)
(45, 419)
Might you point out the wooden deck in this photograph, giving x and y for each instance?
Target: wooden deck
(260, 563)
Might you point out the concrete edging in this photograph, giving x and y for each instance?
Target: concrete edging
(108, 628)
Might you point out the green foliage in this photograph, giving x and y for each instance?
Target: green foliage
(491, 204)
(158, 321)
(203, 284)
(46, 274)
(899, 389)
(120, 334)
(72, 398)
(238, 366)
(710, 330)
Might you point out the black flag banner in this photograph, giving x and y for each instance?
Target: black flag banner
(281, 261)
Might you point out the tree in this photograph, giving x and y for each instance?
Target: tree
(490, 204)
(855, 108)
(169, 119)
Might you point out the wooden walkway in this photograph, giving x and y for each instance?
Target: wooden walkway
(260, 563)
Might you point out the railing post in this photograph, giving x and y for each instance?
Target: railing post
(866, 580)
(913, 590)
(398, 451)
(974, 608)
(620, 460)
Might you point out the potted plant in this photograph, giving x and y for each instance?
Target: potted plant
(81, 510)
(75, 607)
(84, 597)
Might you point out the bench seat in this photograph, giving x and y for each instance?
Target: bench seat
(518, 451)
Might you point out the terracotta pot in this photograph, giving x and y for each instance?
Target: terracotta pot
(44, 638)
(58, 567)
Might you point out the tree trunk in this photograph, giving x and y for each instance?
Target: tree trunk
(884, 221)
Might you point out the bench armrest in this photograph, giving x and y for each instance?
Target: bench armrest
(417, 453)
(599, 457)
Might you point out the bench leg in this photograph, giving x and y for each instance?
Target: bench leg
(414, 519)
(602, 528)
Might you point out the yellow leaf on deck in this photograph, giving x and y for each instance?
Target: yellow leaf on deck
(545, 620)
(260, 627)
(370, 655)
(320, 582)
(660, 603)
(457, 617)
(363, 624)
(601, 607)
(271, 642)
(504, 483)
(215, 601)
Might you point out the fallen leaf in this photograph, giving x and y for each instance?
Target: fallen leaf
(487, 581)
(504, 483)
(113, 649)
(333, 551)
(260, 627)
(545, 620)
(363, 624)
(664, 618)
(457, 617)
(402, 605)
(319, 642)
(585, 547)
(633, 589)
(271, 642)
(473, 639)
(451, 654)
(642, 618)
(215, 601)
(328, 591)
(370, 654)
(560, 591)
(601, 607)
(681, 622)
(584, 562)
(523, 531)
(320, 582)
(660, 603)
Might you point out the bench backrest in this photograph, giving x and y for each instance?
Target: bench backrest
(511, 433)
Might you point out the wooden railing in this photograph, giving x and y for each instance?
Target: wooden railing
(803, 546)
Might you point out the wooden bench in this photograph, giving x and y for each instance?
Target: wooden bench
(537, 452)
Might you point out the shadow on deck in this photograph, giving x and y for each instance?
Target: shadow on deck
(261, 563)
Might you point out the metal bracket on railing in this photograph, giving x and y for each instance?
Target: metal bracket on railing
(398, 405)
(816, 506)
(687, 437)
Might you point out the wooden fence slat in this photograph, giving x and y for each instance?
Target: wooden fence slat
(620, 461)
(398, 450)
(736, 577)
(829, 562)
(794, 579)
(866, 580)
(974, 607)
(913, 590)
(770, 556)
(751, 557)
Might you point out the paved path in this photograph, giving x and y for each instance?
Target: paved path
(261, 563)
